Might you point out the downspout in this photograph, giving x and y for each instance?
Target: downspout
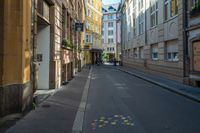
(145, 60)
(122, 33)
(185, 40)
(34, 48)
(145, 23)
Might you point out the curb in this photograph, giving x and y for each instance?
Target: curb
(169, 88)
(78, 122)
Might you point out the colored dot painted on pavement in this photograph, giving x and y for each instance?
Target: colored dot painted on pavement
(115, 120)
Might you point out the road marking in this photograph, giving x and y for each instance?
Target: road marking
(78, 122)
(114, 121)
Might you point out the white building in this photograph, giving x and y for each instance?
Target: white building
(111, 30)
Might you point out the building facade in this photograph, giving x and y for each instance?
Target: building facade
(111, 31)
(93, 23)
(41, 49)
(152, 37)
(56, 43)
(193, 42)
(16, 89)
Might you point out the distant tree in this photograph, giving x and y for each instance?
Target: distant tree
(105, 56)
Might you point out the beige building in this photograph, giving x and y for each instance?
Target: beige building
(152, 37)
(40, 49)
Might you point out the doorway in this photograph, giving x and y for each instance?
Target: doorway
(43, 54)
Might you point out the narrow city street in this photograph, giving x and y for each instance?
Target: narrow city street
(121, 103)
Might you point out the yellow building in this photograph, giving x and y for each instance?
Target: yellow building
(15, 56)
(93, 23)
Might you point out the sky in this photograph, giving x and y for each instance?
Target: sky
(105, 2)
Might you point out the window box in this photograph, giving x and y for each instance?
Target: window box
(66, 44)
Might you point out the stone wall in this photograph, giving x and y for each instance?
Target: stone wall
(165, 32)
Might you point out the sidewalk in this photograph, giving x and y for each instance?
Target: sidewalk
(58, 112)
(190, 92)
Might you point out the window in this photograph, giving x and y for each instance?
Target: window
(141, 17)
(135, 54)
(110, 24)
(88, 12)
(87, 25)
(154, 13)
(88, 38)
(110, 16)
(134, 24)
(43, 9)
(141, 23)
(108, 49)
(154, 52)
(104, 17)
(110, 32)
(92, 15)
(129, 36)
(92, 2)
(141, 52)
(142, 4)
(171, 8)
(92, 27)
(172, 51)
(110, 40)
(46, 10)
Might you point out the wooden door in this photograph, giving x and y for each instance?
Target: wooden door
(196, 50)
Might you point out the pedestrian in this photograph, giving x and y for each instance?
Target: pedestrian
(115, 62)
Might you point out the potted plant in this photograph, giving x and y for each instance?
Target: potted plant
(195, 9)
(67, 44)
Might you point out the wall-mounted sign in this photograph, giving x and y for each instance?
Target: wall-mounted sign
(39, 57)
(79, 27)
(196, 48)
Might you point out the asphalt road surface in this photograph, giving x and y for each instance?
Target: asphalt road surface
(121, 103)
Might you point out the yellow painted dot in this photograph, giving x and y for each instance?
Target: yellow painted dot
(113, 123)
(126, 121)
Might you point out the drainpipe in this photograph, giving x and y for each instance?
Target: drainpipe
(185, 40)
(145, 12)
(33, 47)
(122, 33)
(145, 60)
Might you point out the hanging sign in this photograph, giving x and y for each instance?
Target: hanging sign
(79, 27)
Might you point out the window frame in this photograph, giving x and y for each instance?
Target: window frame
(168, 14)
(154, 12)
(154, 52)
